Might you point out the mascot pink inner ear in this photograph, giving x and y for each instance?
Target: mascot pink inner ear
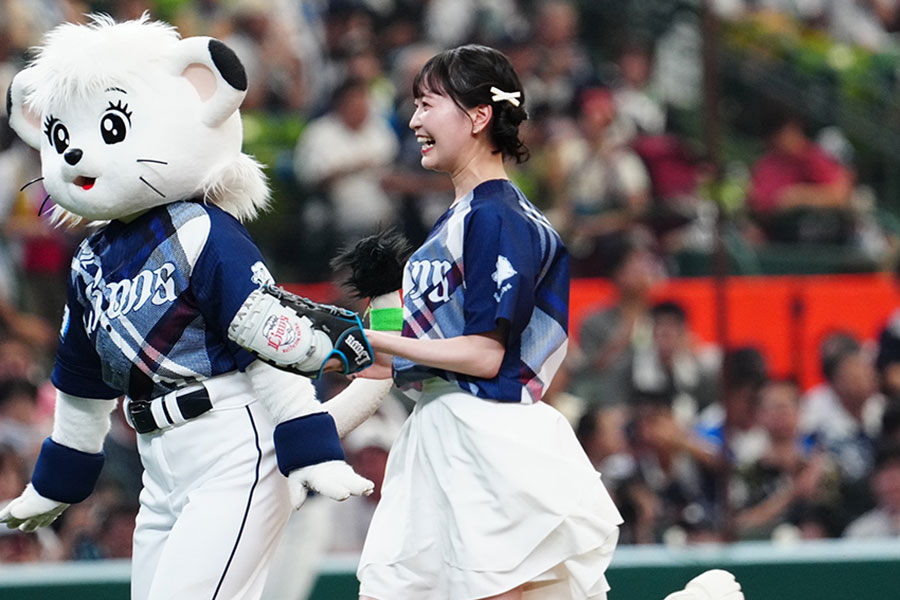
(32, 118)
(202, 78)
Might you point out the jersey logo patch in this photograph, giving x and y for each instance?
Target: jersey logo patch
(503, 271)
(280, 334)
(261, 276)
(430, 276)
(118, 298)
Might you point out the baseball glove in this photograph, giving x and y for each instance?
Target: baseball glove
(298, 335)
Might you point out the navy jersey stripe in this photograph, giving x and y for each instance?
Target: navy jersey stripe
(510, 265)
(153, 300)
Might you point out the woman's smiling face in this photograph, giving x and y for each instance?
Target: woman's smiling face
(443, 129)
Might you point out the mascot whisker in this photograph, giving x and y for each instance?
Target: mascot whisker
(171, 307)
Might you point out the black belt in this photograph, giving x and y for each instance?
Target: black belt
(191, 404)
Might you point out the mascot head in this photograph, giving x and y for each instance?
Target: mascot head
(128, 116)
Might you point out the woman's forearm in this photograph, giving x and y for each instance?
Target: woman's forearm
(474, 355)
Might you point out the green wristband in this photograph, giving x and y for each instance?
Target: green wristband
(386, 319)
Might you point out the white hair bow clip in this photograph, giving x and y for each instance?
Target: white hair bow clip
(511, 97)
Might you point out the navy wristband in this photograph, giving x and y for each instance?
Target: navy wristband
(65, 474)
(307, 440)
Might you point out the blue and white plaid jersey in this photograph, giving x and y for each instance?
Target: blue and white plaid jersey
(150, 302)
(491, 256)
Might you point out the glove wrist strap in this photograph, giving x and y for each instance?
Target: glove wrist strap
(386, 319)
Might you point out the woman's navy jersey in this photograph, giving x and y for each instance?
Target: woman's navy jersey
(150, 302)
(491, 256)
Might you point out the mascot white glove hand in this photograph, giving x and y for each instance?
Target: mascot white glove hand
(31, 510)
(716, 584)
(307, 445)
(334, 478)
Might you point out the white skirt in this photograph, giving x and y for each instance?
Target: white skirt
(481, 497)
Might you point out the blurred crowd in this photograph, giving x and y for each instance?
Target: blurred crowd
(701, 444)
(695, 443)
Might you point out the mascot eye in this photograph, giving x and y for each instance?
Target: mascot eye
(115, 123)
(56, 133)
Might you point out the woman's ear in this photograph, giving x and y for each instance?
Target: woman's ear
(216, 73)
(481, 117)
(25, 122)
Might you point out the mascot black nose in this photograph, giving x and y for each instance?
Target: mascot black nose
(73, 156)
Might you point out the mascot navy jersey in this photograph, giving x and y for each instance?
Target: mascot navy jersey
(491, 256)
(135, 324)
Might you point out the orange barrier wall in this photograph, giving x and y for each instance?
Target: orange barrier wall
(785, 316)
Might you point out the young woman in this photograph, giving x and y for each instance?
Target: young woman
(487, 493)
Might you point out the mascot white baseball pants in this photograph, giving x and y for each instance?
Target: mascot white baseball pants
(214, 503)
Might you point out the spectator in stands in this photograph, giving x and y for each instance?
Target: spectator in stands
(17, 164)
(670, 365)
(343, 155)
(637, 104)
(18, 328)
(673, 482)
(449, 23)
(733, 418)
(844, 414)
(847, 401)
(867, 23)
(600, 366)
(884, 519)
(602, 433)
(262, 40)
(600, 187)
(790, 478)
(888, 359)
(19, 424)
(563, 63)
(13, 474)
(890, 422)
(798, 192)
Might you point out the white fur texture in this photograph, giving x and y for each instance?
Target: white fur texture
(285, 395)
(81, 423)
(715, 584)
(75, 61)
(333, 478)
(288, 396)
(357, 402)
(170, 153)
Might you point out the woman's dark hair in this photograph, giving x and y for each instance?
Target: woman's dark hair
(466, 75)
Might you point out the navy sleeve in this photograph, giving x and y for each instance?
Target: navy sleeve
(229, 268)
(78, 369)
(499, 269)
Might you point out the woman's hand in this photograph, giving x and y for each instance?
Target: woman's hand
(376, 371)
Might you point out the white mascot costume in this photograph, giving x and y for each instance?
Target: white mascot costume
(171, 306)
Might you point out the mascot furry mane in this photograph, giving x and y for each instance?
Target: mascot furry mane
(128, 116)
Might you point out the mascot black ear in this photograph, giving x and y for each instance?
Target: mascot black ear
(25, 122)
(216, 73)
